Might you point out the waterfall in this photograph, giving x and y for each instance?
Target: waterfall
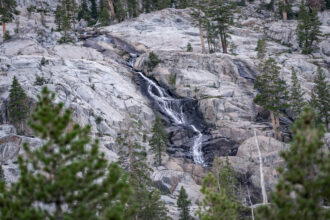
(262, 180)
(173, 109)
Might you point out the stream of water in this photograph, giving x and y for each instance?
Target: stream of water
(173, 109)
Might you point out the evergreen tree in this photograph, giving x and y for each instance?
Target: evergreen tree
(198, 15)
(18, 110)
(308, 29)
(300, 191)
(147, 6)
(84, 12)
(145, 201)
(261, 48)
(7, 12)
(161, 4)
(226, 177)
(221, 14)
(321, 98)
(104, 16)
(94, 13)
(67, 177)
(132, 7)
(216, 205)
(183, 205)
(158, 140)
(120, 12)
(59, 17)
(273, 94)
(297, 101)
(2, 175)
(183, 4)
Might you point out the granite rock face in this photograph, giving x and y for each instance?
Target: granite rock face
(92, 78)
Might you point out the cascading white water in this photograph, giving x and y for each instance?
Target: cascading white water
(173, 109)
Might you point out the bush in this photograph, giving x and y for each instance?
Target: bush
(172, 80)
(43, 61)
(98, 120)
(189, 48)
(40, 80)
(65, 39)
(7, 36)
(153, 61)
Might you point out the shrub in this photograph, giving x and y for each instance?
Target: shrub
(7, 36)
(153, 61)
(189, 48)
(172, 80)
(40, 80)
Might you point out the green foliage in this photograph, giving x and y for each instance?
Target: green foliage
(17, 108)
(132, 6)
(84, 12)
(2, 175)
(183, 205)
(303, 182)
(172, 79)
(308, 29)
(189, 48)
(8, 10)
(261, 48)
(272, 89)
(273, 94)
(321, 98)
(93, 11)
(7, 36)
(220, 17)
(40, 80)
(153, 61)
(67, 173)
(104, 16)
(183, 4)
(159, 140)
(58, 17)
(44, 62)
(216, 205)
(297, 101)
(146, 202)
(120, 12)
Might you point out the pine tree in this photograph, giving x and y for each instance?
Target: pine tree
(132, 7)
(120, 12)
(261, 48)
(158, 140)
(145, 201)
(2, 175)
(226, 177)
(18, 110)
(303, 182)
(216, 205)
(183, 204)
(104, 16)
(67, 177)
(7, 12)
(273, 94)
(94, 13)
(199, 10)
(84, 12)
(297, 101)
(321, 98)
(308, 29)
(58, 17)
(221, 14)
(147, 6)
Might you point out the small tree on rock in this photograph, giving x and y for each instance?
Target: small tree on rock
(321, 98)
(308, 29)
(297, 101)
(7, 12)
(273, 94)
(158, 140)
(18, 110)
(183, 204)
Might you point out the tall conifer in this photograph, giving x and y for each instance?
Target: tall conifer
(297, 101)
(158, 140)
(7, 12)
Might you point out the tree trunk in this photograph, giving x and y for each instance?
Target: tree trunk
(112, 9)
(4, 29)
(273, 123)
(278, 127)
(284, 12)
(201, 34)
(223, 42)
(3, 23)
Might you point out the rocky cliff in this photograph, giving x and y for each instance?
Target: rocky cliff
(91, 77)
